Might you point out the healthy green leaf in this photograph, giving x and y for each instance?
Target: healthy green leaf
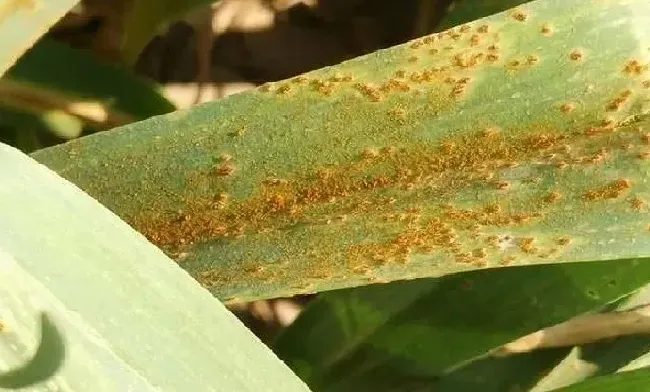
(22, 22)
(635, 380)
(129, 317)
(526, 145)
(53, 80)
(602, 358)
(423, 332)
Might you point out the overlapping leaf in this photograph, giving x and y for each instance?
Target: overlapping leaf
(130, 318)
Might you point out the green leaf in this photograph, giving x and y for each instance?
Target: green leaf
(429, 158)
(635, 380)
(420, 332)
(602, 358)
(147, 17)
(53, 81)
(22, 22)
(130, 319)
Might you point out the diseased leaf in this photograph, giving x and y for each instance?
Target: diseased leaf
(513, 140)
(129, 317)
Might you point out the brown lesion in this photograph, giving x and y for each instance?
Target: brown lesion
(615, 104)
(577, 55)
(612, 190)
(634, 67)
(637, 203)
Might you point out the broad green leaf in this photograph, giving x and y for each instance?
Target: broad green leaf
(53, 82)
(421, 332)
(526, 145)
(550, 369)
(22, 22)
(635, 380)
(147, 17)
(129, 318)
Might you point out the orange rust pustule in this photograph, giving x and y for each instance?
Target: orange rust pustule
(426, 239)
(567, 107)
(576, 55)
(491, 216)
(221, 277)
(526, 245)
(612, 190)
(616, 103)
(369, 91)
(637, 203)
(284, 89)
(520, 16)
(645, 138)
(225, 170)
(553, 197)
(635, 68)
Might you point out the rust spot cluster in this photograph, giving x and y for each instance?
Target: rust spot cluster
(553, 197)
(225, 170)
(370, 91)
(615, 104)
(367, 188)
(635, 68)
(637, 203)
(613, 190)
(519, 16)
(567, 107)
(345, 188)
(577, 55)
